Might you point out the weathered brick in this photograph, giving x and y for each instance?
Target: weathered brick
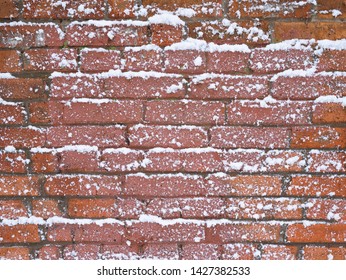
(328, 9)
(227, 61)
(9, 9)
(12, 209)
(242, 160)
(284, 161)
(26, 35)
(22, 137)
(81, 252)
(163, 160)
(167, 208)
(243, 185)
(167, 136)
(249, 137)
(100, 136)
(200, 252)
(98, 60)
(82, 185)
(60, 232)
(310, 30)
(78, 161)
(143, 59)
(324, 253)
(164, 185)
(161, 251)
(123, 159)
(326, 209)
(12, 113)
(48, 252)
(121, 9)
(120, 252)
(318, 137)
(20, 88)
(10, 61)
(19, 186)
(39, 113)
(14, 253)
(332, 60)
(207, 160)
(47, 162)
(324, 113)
(13, 162)
(46, 208)
(316, 233)
(64, 60)
(239, 251)
(115, 34)
(271, 113)
(165, 34)
(184, 112)
(279, 252)
(227, 86)
(50, 9)
(185, 61)
(310, 186)
(19, 234)
(326, 161)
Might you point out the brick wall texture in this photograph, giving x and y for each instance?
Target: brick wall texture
(176, 129)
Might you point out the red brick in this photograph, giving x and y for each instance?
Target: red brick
(241, 160)
(279, 252)
(39, 113)
(239, 251)
(309, 30)
(271, 8)
(139, 87)
(12, 209)
(200, 252)
(100, 136)
(81, 252)
(13, 162)
(9, 9)
(273, 61)
(324, 253)
(27, 35)
(21, 137)
(167, 137)
(204, 160)
(60, 232)
(263, 209)
(245, 185)
(325, 8)
(45, 162)
(225, 233)
(113, 34)
(10, 61)
(149, 232)
(161, 251)
(164, 185)
(96, 112)
(311, 87)
(143, 59)
(284, 161)
(202, 9)
(202, 208)
(185, 61)
(318, 137)
(163, 160)
(123, 159)
(316, 233)
(82, 185)
(227, 61)
(48, 252)
(121, 9)
(332, 60)
(119, 252)
(168, 208)
(252, 32)
(64, 60)
(327, 161)
(262, 113)
(165, 34)
(19, 186)
(104, 208)
(184, 112)
(14, 253)
(326, 209)
(64, 87)
(329, 113)
(324, 186)
(12, 113)
(50, 9)
(98, 60)
(20, 88)
(19, 234)
(249, 137)
(110, 233)
(78, 161)
(226, 87)
(46, 208)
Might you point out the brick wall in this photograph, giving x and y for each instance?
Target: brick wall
(187, 129)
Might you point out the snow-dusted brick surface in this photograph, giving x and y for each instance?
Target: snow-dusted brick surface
(172, 129)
